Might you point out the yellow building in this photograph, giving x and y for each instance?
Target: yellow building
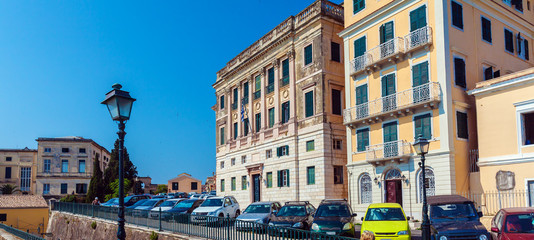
(507, 151)
(18, 167)
(27, 213)
(408, 64)
(184, 183)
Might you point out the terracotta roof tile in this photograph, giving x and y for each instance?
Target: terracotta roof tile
(22, 201)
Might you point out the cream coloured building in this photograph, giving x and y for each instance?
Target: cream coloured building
(65, 165)
(290, 143)
(184, 183)
(18, 167)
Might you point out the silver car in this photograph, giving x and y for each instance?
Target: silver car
(257, 215)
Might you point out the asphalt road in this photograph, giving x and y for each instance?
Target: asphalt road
(416, 234)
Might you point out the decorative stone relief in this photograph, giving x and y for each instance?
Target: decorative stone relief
(285, 94)
(291, 54)
(235, 116)
(258, 106)
(271, 101)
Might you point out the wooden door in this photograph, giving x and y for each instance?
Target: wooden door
(393, 191)
(256, 187)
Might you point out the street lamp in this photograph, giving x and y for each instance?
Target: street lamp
(119, 104)
(421, 148)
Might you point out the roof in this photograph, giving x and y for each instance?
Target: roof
(518, 210)
(507, 81)
(26, 149)
(385, 205)
(447, 199)
(22, 201)
(184, 175)
(72, 139)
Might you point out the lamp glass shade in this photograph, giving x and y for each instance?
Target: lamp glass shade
(421, 146)
(125, 107)
(119, 104)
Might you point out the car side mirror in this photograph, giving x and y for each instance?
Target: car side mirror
(362, 218)
(480, 214)
(408, 218)
(354, 215)
(494, 229)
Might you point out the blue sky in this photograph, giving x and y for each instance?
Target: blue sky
(59, 58)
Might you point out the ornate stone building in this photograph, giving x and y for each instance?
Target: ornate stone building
(18, 168)
(280, 133)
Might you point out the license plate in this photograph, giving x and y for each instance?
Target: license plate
(331, 233)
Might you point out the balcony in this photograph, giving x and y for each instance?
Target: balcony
(398, 104)
(284, 81)
(234, 106)
(257, 94)
(269, 88)
(64, 174)
(379, 154)
(391, 50)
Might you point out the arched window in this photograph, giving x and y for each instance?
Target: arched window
(431, 190)
(393, 174)
(366, 189)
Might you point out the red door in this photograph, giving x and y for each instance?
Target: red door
(393, 191)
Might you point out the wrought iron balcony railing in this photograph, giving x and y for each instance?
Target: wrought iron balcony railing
(269, 88)
(418, 38)
(257, 94)
(427, 94)
(64, 174)
(284, 81)
(376, 154)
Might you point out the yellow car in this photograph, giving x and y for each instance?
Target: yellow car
(386, 221)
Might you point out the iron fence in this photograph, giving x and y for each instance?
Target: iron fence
(205, 226)
(19, 233)
(490, 202)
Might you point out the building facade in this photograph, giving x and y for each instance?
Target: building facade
(28, 213)
(18, 167)
(184, 183)
(506, 152)
(408, 65)
(65, 165)
(279, 128)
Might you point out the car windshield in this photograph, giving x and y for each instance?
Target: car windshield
(519, 223)
(452, 211)
(384, 214)
(213, 202)
(286, 211)
(333, 211)
(258, 208)
(150, 203)
(112, 201)
(138, 203)
(168, 204)
(185, 204)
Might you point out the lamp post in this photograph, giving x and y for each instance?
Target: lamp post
(119, 104)
(421, 148)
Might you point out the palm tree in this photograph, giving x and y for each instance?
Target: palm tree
(9, 189)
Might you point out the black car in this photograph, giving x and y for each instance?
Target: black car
(455, 217)
(334, 217)
(131, 200)
(297, 214)
(183, 207)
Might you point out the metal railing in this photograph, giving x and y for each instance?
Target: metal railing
(473, 161)
(269, 88)
(284, 81)
(387, 49)
(419, 37)
(19, 233)
(205, 226)
(360, 63)
(490, 202)
(387, 150)
(422, 94)
(257, 94)
(65, 174)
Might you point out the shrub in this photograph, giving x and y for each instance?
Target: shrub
(68, 198)
(154, 236)
(93, 225)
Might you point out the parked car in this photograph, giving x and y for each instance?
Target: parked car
(138, 203)
(112, 202)
(513, 223)
(259, 213)
(295, 214)
(454, 216)
(386, 220)
(143, 209)
(131, 200)
(217, 207)
(195, 196)
(164, 206)
(213, 193)
(186, 206)
(334, 217)
(181, 195)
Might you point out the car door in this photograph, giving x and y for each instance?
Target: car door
(496, 223)
(227, 209)
(311, 212)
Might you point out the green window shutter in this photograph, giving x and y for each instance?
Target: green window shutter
(427, 131)
(361, 94)
(363, 139)
(358, 5)
(287, 174)
(309, 103)
(269, 180)
(382, 34)
(384, 86)
(418, 18)
(418, 126)
(279, 178)
(527, 57)
(390, 132)
(287, 149)
(270, 76)
(308, 54)
(388, 32)
(359, 47)
(416, 75)
(388, 85)
(257, 83)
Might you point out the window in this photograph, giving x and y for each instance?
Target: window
(270, 80)
(244, 183)
(338, 174)
(222, 164)
(366, 189)
(336, 102)
(222, 185)
(235, 130)
(64, 188)
(221, 102)
(522, 48)
(221, 136)
(310, 145)
(81, 150)
(245, 93)
(257, 87)
(25, 178)
(243, 159)
(418, 18)
(337, 144)
(457, 15)
(361, 99)
(459, 72)
(285, 112)
(81, 188)
(422, 126)
(335, 52)
(232, 184)
(246, 127)
(362, 136)
(509, 41)
(489, 73)
(431, 184)
(81, 166)
(175, 186)
(269, 153)
(269, 179)
(194, 186)
(486, 29)
(47, 150)
(285, 72)
(8, 173)
(9, 159)
(65, 150)
(235, 95)
(528, 128)
(283, 178)
(308, 98)
(232, 161)
(258, 121)
(359, 47)
(461, 125)
(271, 117)
(358, 5)
(419, 77)
(64, 166)
(518, 4)
(282, 151)
(310, 175)
(386, 34)
(46, 188)
(308, 55)
(3, 217)
(46, 165)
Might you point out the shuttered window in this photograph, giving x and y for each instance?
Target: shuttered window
(388, 84)
(310, 145)
(336, 102)
(285, 112)
(386, 32)
(283, 178)
(310, 175)
(308, 98)
(246, 127)
(232, 184)
(222, 185)
(285, 72)
(359, 47)
(244, 183)
(418, 18)
(358, 5)
(271, 117)
(362, 136)
(390, 132)
(235, 130)
(361, 94)
(221, 101)
(221, 135)
(269, 180)
(258, 122)
(509, 40)
(459, 72)
(420, 74)
(335, 52)
(422, 126)
(457, 15)
(308, 54)
(461, 125)
(486, 29)
(282, 151)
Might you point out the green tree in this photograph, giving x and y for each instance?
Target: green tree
(96, 186)
(112, 171)
(114, 186)
(162, 188)
(9, 189)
